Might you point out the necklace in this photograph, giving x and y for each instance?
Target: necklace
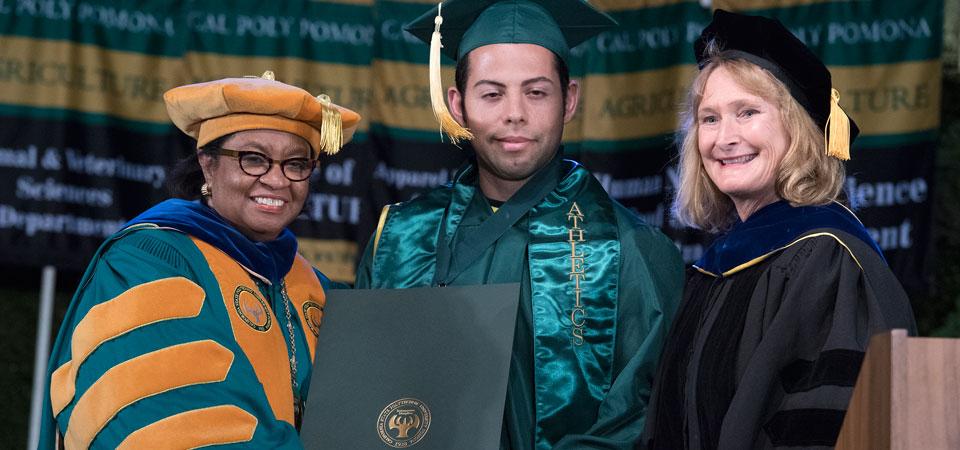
(297, 401)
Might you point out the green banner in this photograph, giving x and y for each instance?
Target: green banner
(81, 85)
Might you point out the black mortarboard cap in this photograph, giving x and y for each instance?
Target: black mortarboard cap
(768, 44)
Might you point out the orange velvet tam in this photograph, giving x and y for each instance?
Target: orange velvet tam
(207, 111)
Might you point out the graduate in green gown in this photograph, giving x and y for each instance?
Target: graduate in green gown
(598, 286)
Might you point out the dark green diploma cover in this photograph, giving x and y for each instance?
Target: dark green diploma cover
(422, 368)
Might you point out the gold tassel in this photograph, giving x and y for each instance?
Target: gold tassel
(331, 127)
(447, 124)
(836, 133)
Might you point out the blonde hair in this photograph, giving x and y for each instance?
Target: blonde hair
(806, 176)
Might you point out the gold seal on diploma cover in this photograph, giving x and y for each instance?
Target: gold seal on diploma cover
(403, 423)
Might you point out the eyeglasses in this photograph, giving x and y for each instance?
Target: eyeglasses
(257, 164)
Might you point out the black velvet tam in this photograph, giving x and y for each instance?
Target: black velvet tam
(768, 44)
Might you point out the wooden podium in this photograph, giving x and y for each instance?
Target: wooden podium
(906, 397)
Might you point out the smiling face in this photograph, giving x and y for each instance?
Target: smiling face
(259, 207)
(742, 141)
(513, 104)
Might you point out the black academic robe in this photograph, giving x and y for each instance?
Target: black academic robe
(771, 333)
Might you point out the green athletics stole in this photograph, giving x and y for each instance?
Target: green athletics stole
(574, 265)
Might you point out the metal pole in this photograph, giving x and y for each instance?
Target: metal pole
(48, 282)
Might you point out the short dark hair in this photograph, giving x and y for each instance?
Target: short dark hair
(463, 69)
(186, 176)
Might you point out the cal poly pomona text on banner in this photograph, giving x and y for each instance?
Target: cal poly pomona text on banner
(85, 142)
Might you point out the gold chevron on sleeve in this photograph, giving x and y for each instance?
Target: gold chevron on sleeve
(217, 425)
(153, 373)
(141, 305)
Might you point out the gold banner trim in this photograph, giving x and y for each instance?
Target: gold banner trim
(336, 258)
(62, 75)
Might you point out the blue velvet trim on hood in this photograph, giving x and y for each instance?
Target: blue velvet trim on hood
(775, 226)
(271, 260)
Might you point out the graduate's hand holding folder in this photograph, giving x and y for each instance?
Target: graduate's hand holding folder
(401, 368)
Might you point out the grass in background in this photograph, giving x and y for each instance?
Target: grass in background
(940, 315)
(17, 340)
(18, 333)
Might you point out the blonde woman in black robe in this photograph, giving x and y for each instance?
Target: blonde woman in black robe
(778, 312)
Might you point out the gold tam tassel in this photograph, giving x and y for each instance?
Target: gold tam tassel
(447, 124)
(836, 133)
(331, 127)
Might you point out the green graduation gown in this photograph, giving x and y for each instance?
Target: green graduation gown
(598, 291)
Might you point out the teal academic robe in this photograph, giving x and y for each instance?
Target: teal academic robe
(171, 342)
(599, 288)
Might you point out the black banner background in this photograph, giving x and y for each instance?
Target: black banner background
(84, 140)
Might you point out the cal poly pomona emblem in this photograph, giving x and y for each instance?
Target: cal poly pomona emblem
(403, 423)
(313, 314)
(252, 309)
